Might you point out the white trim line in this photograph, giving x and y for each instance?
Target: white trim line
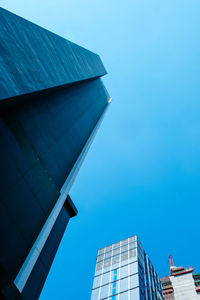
(37, 247)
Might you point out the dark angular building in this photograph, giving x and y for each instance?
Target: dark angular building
(52, 101)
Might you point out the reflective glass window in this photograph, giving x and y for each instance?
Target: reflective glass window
(124, 284)
(114, 277)
(134, 293)
(106, 278)
(95, 294)
(140, 253)
(114, 291)
(115, 259)
(124, 256)
(133, 268)
(124, 242)
(124, 296)
(134, 281)
(96, 281)
(101, 251)
(140, 245)
(99, 258)
(124, 248)
(132, 253)
(132, 238)
(124, 271)
(116, 245)
(116, 251)
(107, 263)
(109, 248)
(113, 288)
(132, 245)
(99, 266)
(108, 254)
(104, 291)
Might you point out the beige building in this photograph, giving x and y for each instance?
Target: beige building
(181, 284)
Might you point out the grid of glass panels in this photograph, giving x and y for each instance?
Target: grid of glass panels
(116, 271)
(116, 253)
(124, 272)
(112, 284)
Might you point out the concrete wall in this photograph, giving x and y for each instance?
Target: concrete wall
(184, 288)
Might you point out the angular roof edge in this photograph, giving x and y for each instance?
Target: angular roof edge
(33, 58)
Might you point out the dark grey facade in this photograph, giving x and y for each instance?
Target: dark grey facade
(52, 101)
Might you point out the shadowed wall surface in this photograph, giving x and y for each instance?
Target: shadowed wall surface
(43, 131)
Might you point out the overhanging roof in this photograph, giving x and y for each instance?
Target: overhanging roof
(34, 59)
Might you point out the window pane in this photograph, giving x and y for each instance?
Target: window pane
(134, 281)
(99, 266)
(104, 291)
(134, 293)
(107, 263)
(124, 284)
(114, 275)
(124, 248)
(99, 258)
(124, 296)
(132, 238)
(133, 268)
(106, 278)
(124, 271)
(140, 253)
(132, 253)
(97, 281)
(95, 294)
(115, 259)
(124, 242)
(113, 290)
(139, 244)
(116, 245)
(109, 248)
(101, 251)
(108, 254)
(132, 245)
(116, 251)
(124, 256)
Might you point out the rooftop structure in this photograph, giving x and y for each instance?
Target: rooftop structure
(181, 284)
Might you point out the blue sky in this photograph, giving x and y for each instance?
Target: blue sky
(141, 175)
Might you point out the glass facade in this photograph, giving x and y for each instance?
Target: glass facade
(124, 272)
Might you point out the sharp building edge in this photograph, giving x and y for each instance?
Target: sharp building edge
(35, 59)
(52, 101)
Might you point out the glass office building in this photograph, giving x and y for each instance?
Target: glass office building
(124, 272)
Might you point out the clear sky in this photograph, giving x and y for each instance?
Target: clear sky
(142, 173)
